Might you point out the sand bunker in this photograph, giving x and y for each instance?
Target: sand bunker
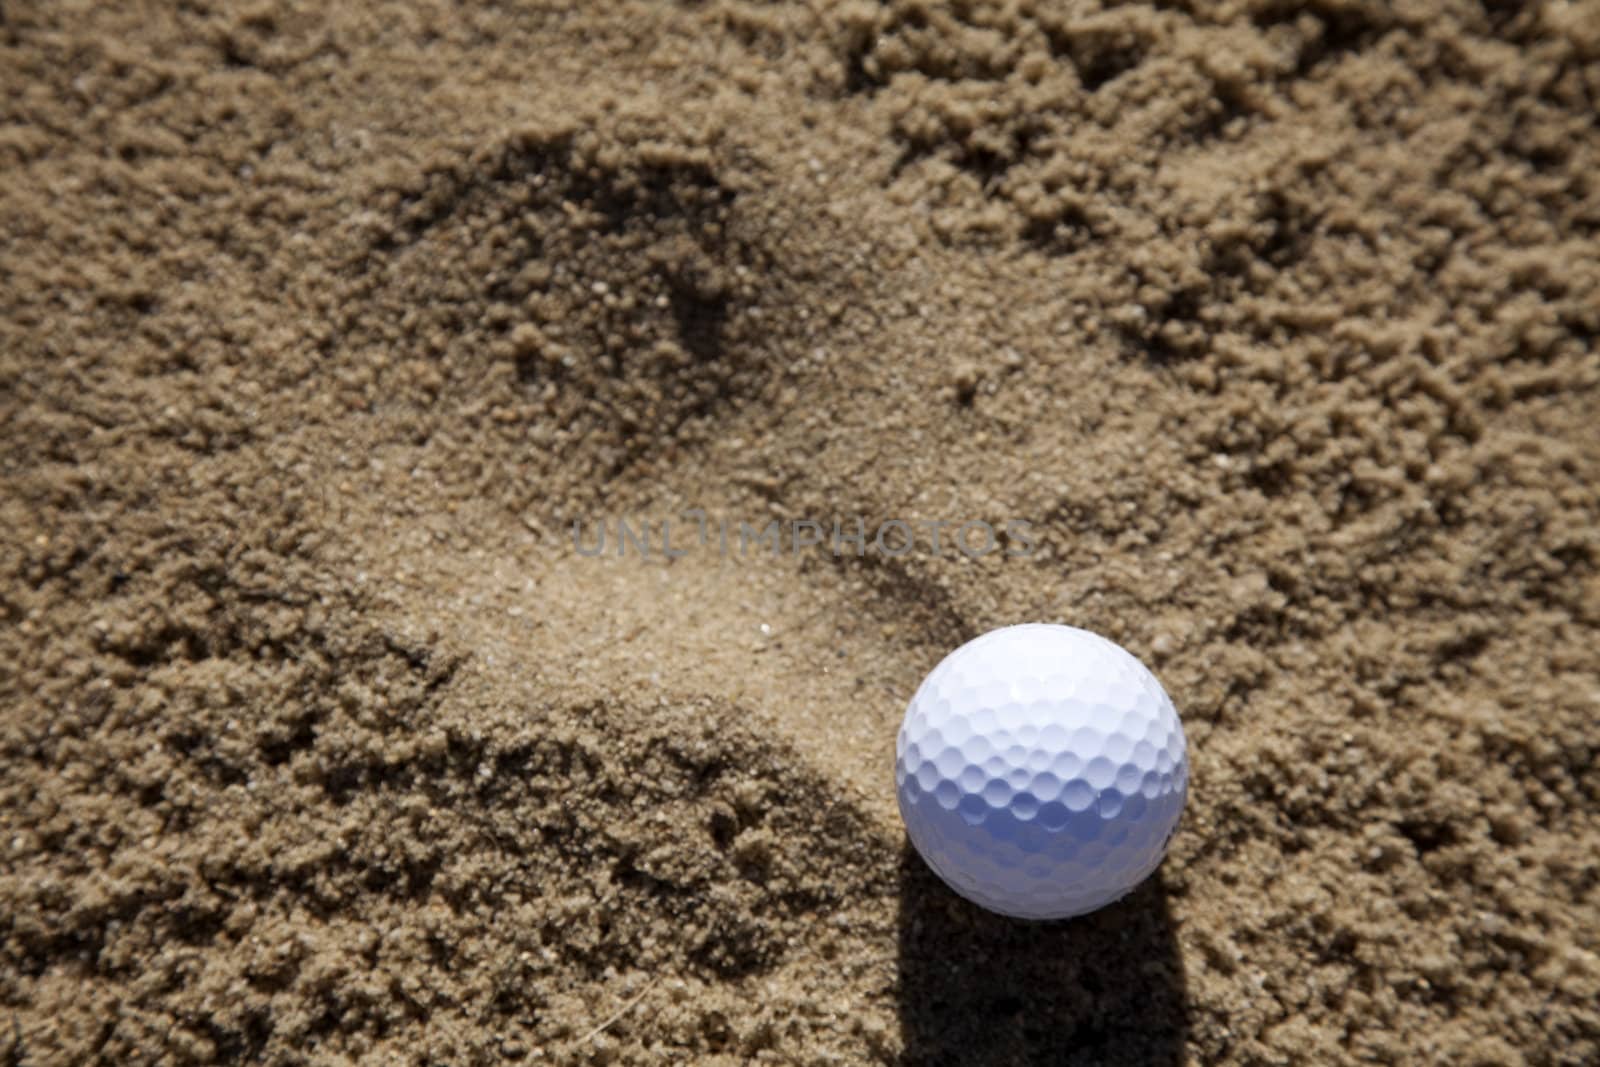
(322, 324)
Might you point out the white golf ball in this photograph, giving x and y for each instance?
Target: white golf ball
(1041, 771)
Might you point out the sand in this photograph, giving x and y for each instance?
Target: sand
(322, 739)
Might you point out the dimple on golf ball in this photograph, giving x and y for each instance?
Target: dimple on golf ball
(1041, 771)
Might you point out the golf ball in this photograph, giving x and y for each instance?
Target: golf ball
(1041, 771)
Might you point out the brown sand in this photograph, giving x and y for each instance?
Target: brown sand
(320, 323)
